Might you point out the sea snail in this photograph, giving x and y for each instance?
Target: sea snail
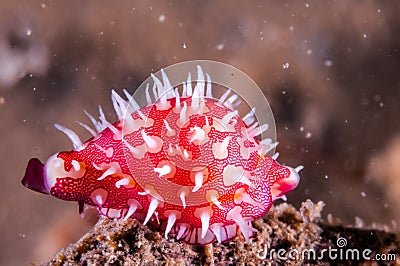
(186, 164)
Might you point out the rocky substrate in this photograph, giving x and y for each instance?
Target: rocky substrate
(286, 236)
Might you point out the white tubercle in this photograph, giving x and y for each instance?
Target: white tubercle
(189, 90)
(76, 165)
(216, 229)
(119, 104)
(133, 206)
(154, 89)
(252, 127)
(102, 118)
(110, 171)
(182, 114)
(54, 169)
(117, 133)
(89, 129)
(200, 82)
(184, 90)
(249, 117)
(97, 125)
(99, 196)
(108, 152)
(224, 96)
(233, 174)
(161, 91)
(127, 95)
(245, 227)
(257, 131)
(198, 181)
(242, 196)
(131, 148)
(227, 118)
(183, 192)
(235, 105)
(133, 106)
(195, 100)
(76, 142)
(152, 142)
(171, 221)
(167, 85)
(123, 182)
(212, 196)
(209, 85)
(185, 154)
(220, 149)
(205, 222)
(275, 156)
(214, 200)
(99, 200)
(199, 134)
(170, 149)
(148, 99)
(177, 100)
(152, 207)
(269, 147)
(170, 131)
(299, 168)
(232, 99)
(166, 169)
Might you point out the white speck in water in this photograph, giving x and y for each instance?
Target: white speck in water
(220, 47)
(34, 89)
(328, 63)
(359, 223)
(22, 235)
(43, 5)
(28, 32)
(283, 92)
(2, 100)
(363, 194)
(291, 28)
(308, 135)
(309, 51)
(307, 5)
(365, 35)
(184, 46)
(326, 176)
(301, 129)
(285, 65)
(101, 33)
(379, 11)
(161, 18)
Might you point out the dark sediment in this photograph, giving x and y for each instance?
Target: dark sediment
(115, 242)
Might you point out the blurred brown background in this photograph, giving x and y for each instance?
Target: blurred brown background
(336, 105)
